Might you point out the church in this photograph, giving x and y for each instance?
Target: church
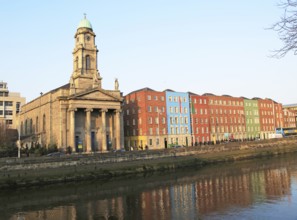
(81, 114)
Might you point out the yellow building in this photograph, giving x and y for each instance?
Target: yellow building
(10, 103)
(80, 114)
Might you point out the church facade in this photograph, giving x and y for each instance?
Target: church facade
(80, 114)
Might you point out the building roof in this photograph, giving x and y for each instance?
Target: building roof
(290, 105)
(85, 23)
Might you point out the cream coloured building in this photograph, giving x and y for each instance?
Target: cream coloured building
(80, 114)
(10, 104)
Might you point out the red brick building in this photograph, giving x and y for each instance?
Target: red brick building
(292, 108)
(267, 117)
(144, 115)
(278, 115)
(289, 118)
(200, 119)
(227, 120)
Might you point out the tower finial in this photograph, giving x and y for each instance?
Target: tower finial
(85, 15)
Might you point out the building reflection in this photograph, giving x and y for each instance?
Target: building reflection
(187, 196)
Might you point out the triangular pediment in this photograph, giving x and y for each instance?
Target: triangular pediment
(97, 95)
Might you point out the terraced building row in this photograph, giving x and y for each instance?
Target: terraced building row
(160, 119)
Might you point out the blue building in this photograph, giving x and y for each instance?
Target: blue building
(178, 118)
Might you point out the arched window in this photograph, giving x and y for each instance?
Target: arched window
(43, 123)
(88, 62)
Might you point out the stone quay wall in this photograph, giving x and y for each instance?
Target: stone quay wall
(27, 171)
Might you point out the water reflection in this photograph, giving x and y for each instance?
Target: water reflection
(217, 192)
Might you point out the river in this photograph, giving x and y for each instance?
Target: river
(255, 189)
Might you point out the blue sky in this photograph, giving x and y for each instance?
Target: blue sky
(220, 47)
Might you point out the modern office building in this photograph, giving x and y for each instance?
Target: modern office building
(10, 105)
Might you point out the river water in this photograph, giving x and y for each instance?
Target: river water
(256, 189)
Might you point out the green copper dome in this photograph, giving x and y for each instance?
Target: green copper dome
(84, 23)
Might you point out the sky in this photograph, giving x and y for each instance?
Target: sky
(220, 47)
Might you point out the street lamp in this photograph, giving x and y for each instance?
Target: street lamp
(19, 135)
(159, 125)
(242, 127)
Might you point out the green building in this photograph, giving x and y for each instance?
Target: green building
(252, 118)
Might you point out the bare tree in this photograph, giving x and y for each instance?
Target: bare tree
(287, 28)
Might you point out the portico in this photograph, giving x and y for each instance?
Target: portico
(94, 129)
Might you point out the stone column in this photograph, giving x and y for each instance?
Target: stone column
(88, 130)
(118, 129)
(103, 130)
(63, 128)
(72, 127)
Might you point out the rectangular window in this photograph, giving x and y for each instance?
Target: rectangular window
(150, 120)
(8, 112)
(149, 97)
(176, 120)
(8, 103)
(151, 141)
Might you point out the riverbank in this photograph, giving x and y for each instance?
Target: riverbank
(40, 171)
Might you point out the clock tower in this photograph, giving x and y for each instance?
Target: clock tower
(85, 73)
